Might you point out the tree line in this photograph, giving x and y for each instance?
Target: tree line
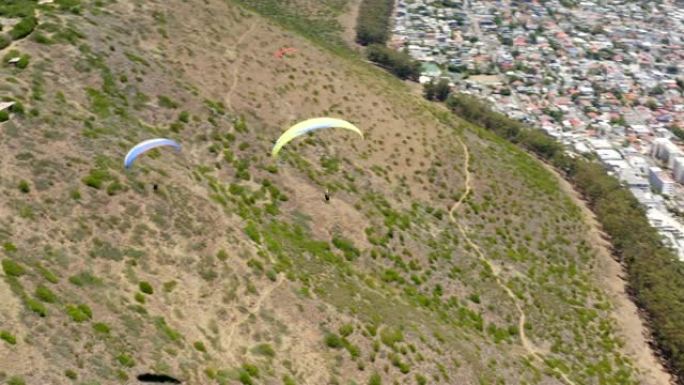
(655, 275)
(372, 24)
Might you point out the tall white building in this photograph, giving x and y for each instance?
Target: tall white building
(678, 169)
(666, 151)
(661, 181)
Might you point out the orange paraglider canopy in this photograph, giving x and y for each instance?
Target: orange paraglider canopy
(284, 51)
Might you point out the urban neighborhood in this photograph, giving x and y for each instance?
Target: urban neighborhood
(602, 77)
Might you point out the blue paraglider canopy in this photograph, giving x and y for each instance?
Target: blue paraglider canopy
(147, 145)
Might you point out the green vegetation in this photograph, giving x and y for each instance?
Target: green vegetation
(398, 63)
(101, 327)
(36, 306)
(12, 269)
(145, 287)
(70, 374)
(437, 91)
(23, 28)
(45, 294)
(332, 340)
(79, 313)
(656, 276)
(8, 337)
(4, 116)
(166, 102)
(24, 186)
(375, 379)
(372, 24)
(125, 360)
(264, 350)
(16, 380)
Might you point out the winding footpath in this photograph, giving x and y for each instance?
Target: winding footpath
(526, 344)
(254, 310)
(236, 66)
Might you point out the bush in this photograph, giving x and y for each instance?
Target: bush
(23, 28)
(332, 340)
(70, 374)
(16, 380)
(264, 350)
(346, 330)
(375, 379)
(101, 327)
(79, 313)
(36, 307)
(4, 41)
(96, 178)
(8, 337)
(23, 61)
(4, 116)
(85, 278)
(12, 269)
(398, 63)
(199, 345)
(17, 108)
(184, 117)
(166, 102)
(125, 360)
(24, 186)
(145, 287)
(45, 294)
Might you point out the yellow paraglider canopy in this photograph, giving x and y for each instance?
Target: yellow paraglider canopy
(310, 125)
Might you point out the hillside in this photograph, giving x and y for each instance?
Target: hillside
(445, 256)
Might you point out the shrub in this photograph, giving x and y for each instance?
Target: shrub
(332, 340)
(11, 268)
(36, 307)
(8, 337)
(101, 327)
(166, 102)
(16, 380)
(140, 297)
(125, 360)
(23, 28)
(375, 379)
(264, 350)
(184, 116)
(251, 369)
(4, 116)
(17, 108)
(70, 374)
(145, 287)
(45, 294)
(79, 313)
(85, 278)
(24, 186)
(287, 380)
(96, 178)
(4, 41)
(23, 61)
(346, 330)
(199, 345)
(252, 232)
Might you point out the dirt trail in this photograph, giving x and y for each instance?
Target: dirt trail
(254, 310)
(526, 344)
(632, 328)
(236, 66)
